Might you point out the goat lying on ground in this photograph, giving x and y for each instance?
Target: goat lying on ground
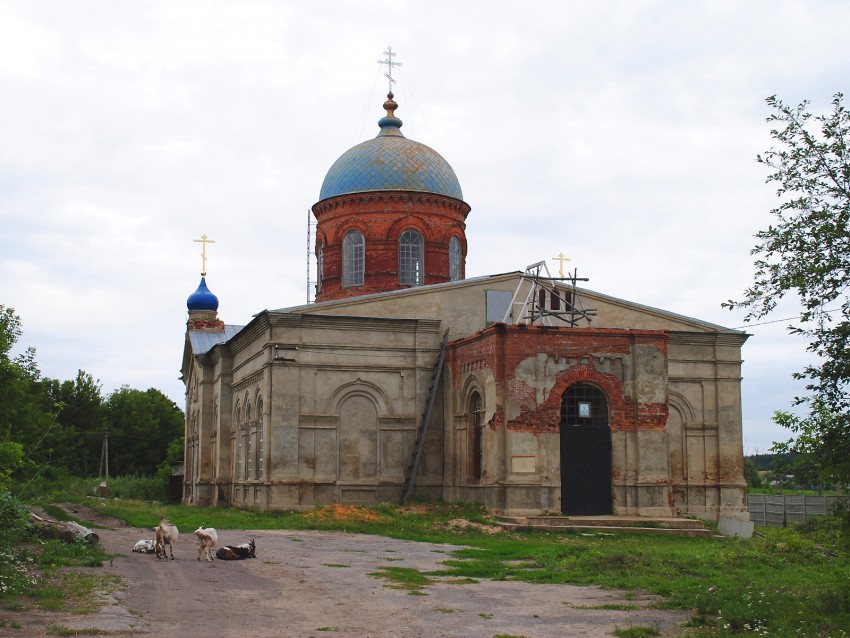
(237, 552)
(208, 538)
(144, 546)
(166, 534)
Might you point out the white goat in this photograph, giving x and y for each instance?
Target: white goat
(166, 534)
(145, 546)
(208, 538)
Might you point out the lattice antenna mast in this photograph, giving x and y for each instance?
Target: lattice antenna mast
(311, 234)
(390, 64)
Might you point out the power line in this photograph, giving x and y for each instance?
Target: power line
(765, 323)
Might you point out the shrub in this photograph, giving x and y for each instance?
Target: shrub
(13, 519)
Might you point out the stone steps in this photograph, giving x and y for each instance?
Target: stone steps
(632, 524)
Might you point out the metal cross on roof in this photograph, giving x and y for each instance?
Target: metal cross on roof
(390, 64)
(204, 241)
(561, 259)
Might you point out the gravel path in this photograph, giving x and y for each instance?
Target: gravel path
(320, 584)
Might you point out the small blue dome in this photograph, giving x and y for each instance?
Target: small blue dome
(202, 298)
(390, 162)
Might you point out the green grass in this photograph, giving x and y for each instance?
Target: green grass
(431, 523)
(636, 631)
(785, 582)
(35, 576)
(608, 606)
(74, 489)
(413, 580)
(57, 630)
(781, 581)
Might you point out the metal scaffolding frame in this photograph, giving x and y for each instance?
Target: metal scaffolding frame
(570, 310)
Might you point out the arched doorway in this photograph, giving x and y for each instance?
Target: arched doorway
(586, 486)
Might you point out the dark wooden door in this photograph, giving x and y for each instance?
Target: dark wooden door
(586, 487)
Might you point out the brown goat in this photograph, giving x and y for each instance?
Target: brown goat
(166, 534)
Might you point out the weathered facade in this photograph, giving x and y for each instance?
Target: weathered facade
(630, 410)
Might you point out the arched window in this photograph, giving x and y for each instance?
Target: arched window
(249, 455)
(410, 266)
(238, 472)
(584, 404)
(195, 442)
(320, 266)
(454, 259)
(260, 438)
(213, 443)
(476, 448)
(353, 261)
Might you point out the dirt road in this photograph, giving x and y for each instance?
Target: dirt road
(321, 584)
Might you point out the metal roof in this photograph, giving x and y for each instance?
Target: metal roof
(391, 162)
(203, 342)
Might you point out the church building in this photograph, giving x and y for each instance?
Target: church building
(522, 391)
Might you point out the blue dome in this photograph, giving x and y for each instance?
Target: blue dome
(390, 162)
(202, 298)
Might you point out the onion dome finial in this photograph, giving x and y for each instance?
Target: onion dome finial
(202, 298)
(390, 123)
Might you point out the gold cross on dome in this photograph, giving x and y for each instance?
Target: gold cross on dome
(561, 259)
(204, 241)
(390, 64)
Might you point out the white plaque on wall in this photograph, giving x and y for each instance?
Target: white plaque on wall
(523, 464)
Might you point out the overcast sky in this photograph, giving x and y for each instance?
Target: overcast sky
(623, 134)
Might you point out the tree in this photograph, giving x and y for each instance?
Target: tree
(807, 252)
(751, 474)
(54, 428)
(79, 438)
(141, 425)
(25, 422)
(813, 439)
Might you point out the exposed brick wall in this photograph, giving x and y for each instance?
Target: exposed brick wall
(204, 321)
(583, 351)
(382, 218)
(547, 417)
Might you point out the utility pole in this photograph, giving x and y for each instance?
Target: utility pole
(104, 457)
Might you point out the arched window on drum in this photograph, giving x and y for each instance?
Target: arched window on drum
(353, 259)
(454, 259)
(410, 259)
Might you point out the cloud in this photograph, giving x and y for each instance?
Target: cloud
(620, 133)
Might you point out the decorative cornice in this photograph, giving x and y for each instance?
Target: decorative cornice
(733, 339)
(429, 199)
(250, 380)
(385, 324)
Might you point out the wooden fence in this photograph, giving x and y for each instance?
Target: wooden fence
(779, 511)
